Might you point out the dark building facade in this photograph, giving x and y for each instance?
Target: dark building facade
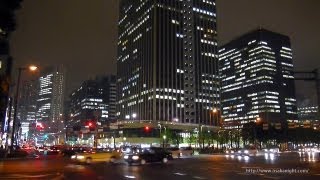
(167, 65)
(7, 25)
(257, 79)
(93, 101)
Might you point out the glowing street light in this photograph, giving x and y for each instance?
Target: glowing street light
(258, 119)
(164, 137)
(33, 68)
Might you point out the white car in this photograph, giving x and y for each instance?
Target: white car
(248, 151)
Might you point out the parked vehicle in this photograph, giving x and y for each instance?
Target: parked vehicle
(150, 155)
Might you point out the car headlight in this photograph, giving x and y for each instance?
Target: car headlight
(239, 151)
(126, 157)
(232, 151)
(246, 151)
(80, 157)
(73, 156)
(227, 151)
(271, 150)
(135, 157)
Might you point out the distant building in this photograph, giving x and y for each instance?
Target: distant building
(94, 101)
(28, 107)
(257, 79)
(50, 98)
(167, 61)
(308, 113)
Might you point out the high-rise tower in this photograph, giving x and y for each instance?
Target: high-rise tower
(257, 79)
(167, 61)
(51, 97)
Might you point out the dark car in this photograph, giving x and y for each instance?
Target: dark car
(149, 156)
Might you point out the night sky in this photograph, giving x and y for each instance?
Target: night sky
(82, 34)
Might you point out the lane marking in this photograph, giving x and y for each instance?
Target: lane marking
(180, 174)
(29, 176)
(130, 177)
(198, 177)
(270, 177)
(247, 167)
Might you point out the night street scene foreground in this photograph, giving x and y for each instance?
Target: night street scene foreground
(159, 89)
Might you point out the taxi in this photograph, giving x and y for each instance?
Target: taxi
(98, 155)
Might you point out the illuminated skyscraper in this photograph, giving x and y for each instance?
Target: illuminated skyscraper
(28, 107)
(257, 79)
(167, 61)
(94, 100)
(51, 97)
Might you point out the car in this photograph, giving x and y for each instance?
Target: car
(97, 156)
(180, 152)
(150, 155)
(247, 151)
(231, 151)
(272, 150)
(186, 151)
(175, 152)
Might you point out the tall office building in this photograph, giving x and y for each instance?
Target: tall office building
(50, 98)
(93, 101)
(167, 61)
(28, 107)
(257, 79)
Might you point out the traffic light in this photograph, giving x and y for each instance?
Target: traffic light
(90, 124)
(39, 126)
(147, 129)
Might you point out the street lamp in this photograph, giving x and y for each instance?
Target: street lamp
(258, 119)
(164, 139)
(160, 130)
(20, 69)
(124, 140)
(134, 115)
(215, 111)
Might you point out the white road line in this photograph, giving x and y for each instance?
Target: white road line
(244, 174)
(198, 177)
(247, 167)
(180, 174)
(130, 177)
(29, 176)
(270, 177)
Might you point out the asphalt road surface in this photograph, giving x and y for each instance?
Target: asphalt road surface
(285, 166)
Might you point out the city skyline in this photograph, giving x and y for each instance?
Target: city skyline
(65, 38)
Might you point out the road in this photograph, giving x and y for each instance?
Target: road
(285, 166)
